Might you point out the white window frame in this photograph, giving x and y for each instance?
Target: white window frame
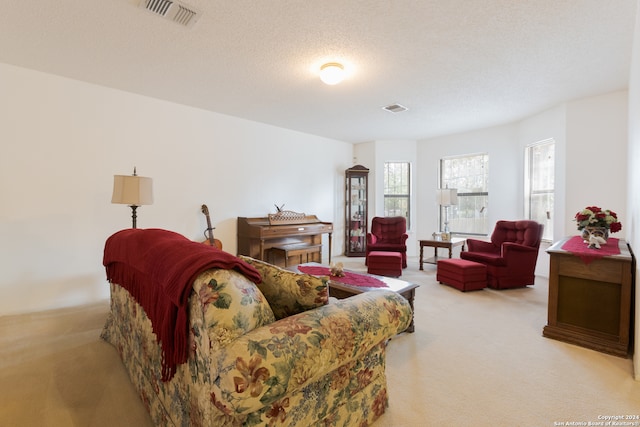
(470, 215)
(405, 184)
(549, 189)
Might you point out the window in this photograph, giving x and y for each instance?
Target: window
(539, 184)
(397, 189)
(469, 174)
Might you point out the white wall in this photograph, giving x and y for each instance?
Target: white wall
(596, 166)
(633, 192)
(504, 172)
(364, 154)
(376, 154)
(62, 142)
(550, 124)
(591, 139)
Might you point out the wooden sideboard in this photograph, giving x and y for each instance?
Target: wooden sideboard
(591, 304)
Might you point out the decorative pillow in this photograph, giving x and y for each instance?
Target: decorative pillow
(231, 303)
(288, 292)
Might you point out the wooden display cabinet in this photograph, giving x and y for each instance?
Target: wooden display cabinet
(356, 215)
(591, 305)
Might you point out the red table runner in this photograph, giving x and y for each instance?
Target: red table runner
(348, 279)
(579, 248)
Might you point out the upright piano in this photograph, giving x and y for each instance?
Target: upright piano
(257, 235)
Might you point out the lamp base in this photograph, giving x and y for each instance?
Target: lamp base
(446, 219)
(134, 216)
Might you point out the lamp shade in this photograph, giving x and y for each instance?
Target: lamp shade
(447, 196)
(132, 190)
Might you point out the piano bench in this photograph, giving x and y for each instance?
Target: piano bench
(295, 249)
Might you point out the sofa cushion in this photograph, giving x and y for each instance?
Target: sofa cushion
(232, 305)
(288, 292)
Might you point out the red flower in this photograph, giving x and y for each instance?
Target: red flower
(581, 217)
(594, 216)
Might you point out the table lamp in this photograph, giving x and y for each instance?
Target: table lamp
(132, 190)
(446, 197)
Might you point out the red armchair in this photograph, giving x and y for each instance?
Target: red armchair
(388, 234)
(510, 256)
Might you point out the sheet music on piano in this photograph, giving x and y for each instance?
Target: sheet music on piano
(257, 235)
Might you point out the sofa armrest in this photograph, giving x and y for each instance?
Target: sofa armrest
(371, 239)
(475, 245)
(276, 360)
(513, 248)
(519, 256)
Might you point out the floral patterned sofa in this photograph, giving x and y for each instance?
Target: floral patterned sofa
(273, 353)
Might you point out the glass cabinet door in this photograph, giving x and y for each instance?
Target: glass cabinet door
(356, 218)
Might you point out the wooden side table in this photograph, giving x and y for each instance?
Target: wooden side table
(435, 244)
(591, 305)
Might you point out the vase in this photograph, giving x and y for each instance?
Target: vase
(602, 232)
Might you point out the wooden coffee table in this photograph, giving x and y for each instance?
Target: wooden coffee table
(448, 244)
(343, 290)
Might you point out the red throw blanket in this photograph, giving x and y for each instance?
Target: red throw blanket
(158, 268)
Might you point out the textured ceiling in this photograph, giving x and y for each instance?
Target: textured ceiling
(457, 65)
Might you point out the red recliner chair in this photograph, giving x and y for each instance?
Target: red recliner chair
(510, 256)
(388, 234)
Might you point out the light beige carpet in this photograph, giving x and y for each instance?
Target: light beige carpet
(476, 358)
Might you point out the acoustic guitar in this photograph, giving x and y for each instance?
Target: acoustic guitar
(210, 240)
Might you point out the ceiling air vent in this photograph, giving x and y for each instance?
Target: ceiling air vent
(172, 10)
(395, 108)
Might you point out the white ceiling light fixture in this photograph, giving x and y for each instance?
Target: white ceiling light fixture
(332, 73)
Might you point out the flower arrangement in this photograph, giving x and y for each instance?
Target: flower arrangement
(593, 216)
